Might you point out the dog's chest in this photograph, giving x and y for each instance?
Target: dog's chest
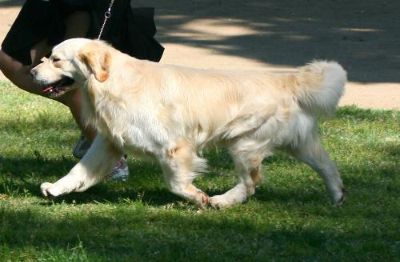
(134, 131)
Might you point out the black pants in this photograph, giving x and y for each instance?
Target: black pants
(131, 30)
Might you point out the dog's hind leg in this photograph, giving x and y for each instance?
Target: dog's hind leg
(181, 165)
(313, 154)
(247, 156)
(93, 167)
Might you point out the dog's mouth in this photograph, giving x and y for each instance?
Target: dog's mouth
(59, 87)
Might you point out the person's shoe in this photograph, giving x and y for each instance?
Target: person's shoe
(81, 147)
(120, 171)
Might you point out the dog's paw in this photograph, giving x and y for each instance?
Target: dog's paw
(203, 201)
(219, 202)
(48, 190)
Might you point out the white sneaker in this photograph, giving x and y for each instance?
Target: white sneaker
(121, 171)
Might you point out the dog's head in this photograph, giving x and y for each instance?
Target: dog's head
(71, 64)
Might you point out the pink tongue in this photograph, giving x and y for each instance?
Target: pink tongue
(47, 89)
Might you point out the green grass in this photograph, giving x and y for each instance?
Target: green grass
(289, 218)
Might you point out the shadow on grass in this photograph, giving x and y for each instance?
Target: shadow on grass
(132, 221)
(137, 233)
(22, 176)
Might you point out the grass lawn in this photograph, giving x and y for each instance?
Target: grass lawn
(289, 218)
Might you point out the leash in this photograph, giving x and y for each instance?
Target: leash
(107, 15)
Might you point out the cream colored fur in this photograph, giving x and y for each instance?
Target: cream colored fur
(173, 113)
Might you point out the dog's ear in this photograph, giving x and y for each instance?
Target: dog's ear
(97, 58)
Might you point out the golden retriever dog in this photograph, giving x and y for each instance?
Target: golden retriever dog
(172, 113)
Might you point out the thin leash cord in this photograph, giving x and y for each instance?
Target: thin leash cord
(107, 15)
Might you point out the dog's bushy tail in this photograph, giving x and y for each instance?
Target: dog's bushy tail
(320, 85)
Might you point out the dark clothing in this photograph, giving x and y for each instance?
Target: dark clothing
(131, 30)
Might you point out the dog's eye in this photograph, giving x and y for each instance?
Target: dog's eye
(55, 59)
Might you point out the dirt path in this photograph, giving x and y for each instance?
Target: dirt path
(279, 35)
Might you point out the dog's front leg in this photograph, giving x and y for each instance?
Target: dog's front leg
(93, 167)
